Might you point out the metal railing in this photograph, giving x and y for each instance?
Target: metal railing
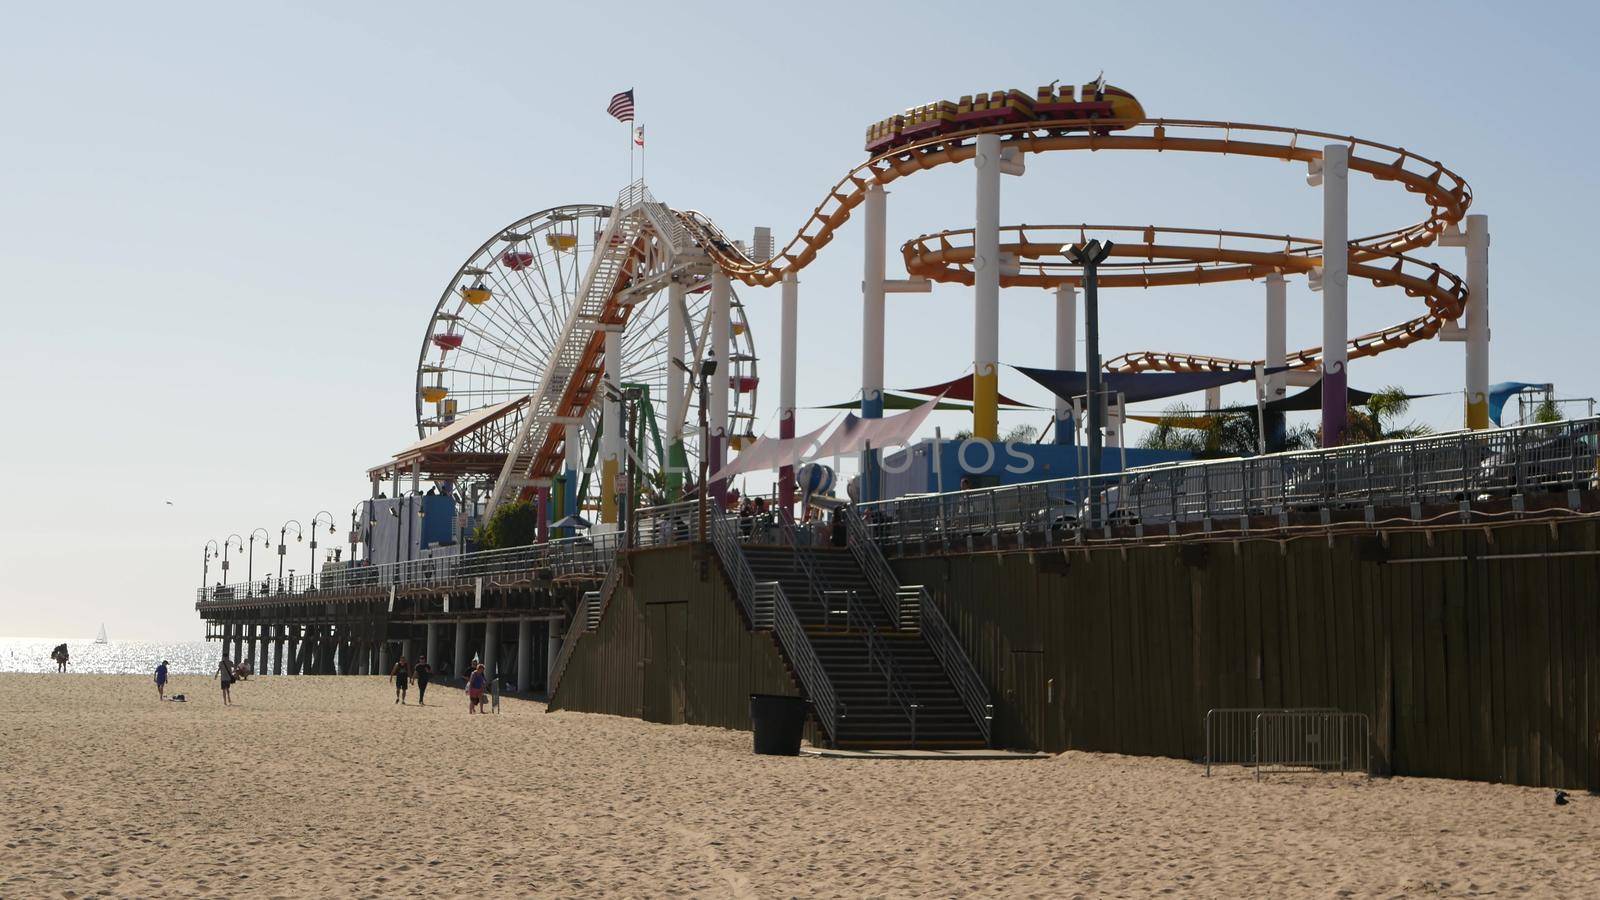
(813, 678)
(563, 557)
(1453, 469)
(912, 608)
(957, 665)
(725, 539)
(1231, 733)
(569, 642)
(1316, 741)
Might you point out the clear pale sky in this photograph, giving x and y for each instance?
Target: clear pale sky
(225, 225)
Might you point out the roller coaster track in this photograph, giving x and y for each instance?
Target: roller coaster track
(1380, 257)
(1150, 260)
(643, 236)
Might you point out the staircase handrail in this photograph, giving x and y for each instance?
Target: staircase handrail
(808, 667)
(725, 541)
(962, 673)
(580, 619)
(882, 578)
(878, 657)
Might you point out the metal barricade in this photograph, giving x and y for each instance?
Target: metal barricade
(1319, 741)
(1231, 733)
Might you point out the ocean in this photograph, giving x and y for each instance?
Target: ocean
(111, 658)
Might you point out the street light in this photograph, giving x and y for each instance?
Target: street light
(321, 516)
(250, 565)
(283, 533)
(209, 551)
(225, 545)
(708, 368)
(1090, 255)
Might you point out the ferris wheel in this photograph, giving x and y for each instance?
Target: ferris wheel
(501, 316)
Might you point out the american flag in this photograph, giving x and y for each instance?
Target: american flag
(622, 106)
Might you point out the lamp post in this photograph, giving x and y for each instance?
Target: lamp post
(225, 545)
(250, 566)
(708, 367)
(321, 516)
(1090, 255)
(206, 554)
(283, 533)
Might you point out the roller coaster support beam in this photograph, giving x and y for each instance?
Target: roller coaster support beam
(1477, 321)
(677, 397)
(786, 375)
(1066, 357)
(1276, 351)
(611, 428)
(1335, 292)
(716, 452)
(986, 291)
(872, 289)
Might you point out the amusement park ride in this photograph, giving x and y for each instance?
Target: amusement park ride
(512, 380)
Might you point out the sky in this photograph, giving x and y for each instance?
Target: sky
(225, 225)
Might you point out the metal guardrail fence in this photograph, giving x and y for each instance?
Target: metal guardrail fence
(1448, 469)
(1282, 740)
(1231, 733)
(563, 557)
(1317, 741)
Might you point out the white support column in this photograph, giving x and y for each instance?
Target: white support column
(431, 645)
(1277, 347)
(573, 462)
(1477, 321)
(1213, 398)
(1113, 424)
(717, 419)
(383, 658)
(491, 646)
(872, 289)
(986, 291)
(524, 655)
(787, 366)
(1066, 355)
(405, 651)
(1335, 292)
(552, 650)
(677, 331)
(459, 665)
(611, 438)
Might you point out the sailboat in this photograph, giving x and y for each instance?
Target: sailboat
(101, 637)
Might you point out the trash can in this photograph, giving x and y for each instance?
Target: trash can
(778, 722)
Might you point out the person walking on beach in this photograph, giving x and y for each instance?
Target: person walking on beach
(59, 654)
(400, 675)
(476, 682)
(225, 672)
(161, 681)
(422, 673)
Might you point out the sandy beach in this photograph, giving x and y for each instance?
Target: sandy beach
(322, 786)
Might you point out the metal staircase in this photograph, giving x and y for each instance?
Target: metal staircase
(568, 386)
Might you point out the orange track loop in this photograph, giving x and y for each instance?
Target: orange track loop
(1037, 248)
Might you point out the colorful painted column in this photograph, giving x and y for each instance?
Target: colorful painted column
(717, 421)
(788, 342)
(1276, 351)
(541, 503)
(1066, 356)
(1335, 292)
(1477, 321)
(986, 292)
(611, 438)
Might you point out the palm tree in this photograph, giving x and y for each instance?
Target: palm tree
(1377, 421)
(1232, 432)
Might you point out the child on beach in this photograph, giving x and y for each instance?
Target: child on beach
(400, 676)
(422, 673)
(225, 672)
(475, 685)
(161, 681)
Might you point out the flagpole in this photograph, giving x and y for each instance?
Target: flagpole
(629, 126)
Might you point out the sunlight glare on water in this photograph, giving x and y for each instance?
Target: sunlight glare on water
(112, 658)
